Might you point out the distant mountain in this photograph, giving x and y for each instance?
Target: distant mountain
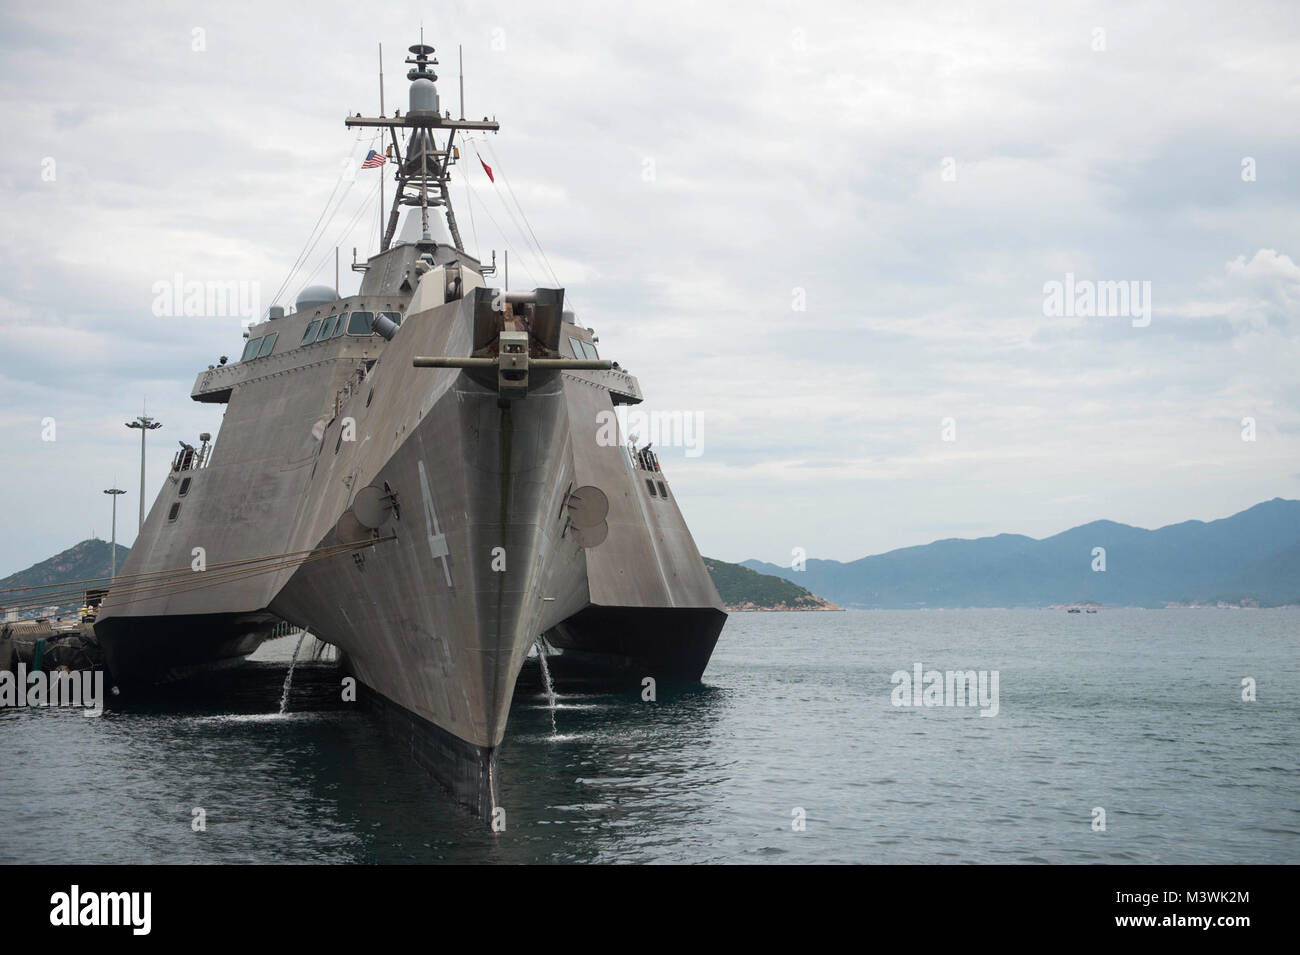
(1250, 558)
(89, 559)
(745, 589)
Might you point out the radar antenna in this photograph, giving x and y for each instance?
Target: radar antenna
(423, 174)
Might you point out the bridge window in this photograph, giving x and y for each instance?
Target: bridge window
(361, 323)
(395, 317)
(342, 325)
(268, 345)
(309, 335)
(590, 349)
(327, 328)
(250, 350)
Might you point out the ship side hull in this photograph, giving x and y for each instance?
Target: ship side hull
(633, 643)
(141, 652)
(219, 540)
(653, 610)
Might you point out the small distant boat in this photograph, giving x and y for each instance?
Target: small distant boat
(1074, 610)
(1091, 610)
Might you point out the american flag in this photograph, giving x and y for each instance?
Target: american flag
(373, 160)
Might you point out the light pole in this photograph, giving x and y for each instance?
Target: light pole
(114, 491)
(145, 424)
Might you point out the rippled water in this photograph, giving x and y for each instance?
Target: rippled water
(1137, 712)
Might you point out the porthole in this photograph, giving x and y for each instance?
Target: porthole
(176, 509)
(185, 487)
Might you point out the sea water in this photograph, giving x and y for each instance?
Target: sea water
(1126, 736)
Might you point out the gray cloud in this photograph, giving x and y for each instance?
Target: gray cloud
(794, 147)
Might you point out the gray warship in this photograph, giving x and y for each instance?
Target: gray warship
(416, 475)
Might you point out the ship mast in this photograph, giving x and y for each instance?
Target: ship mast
(423, 174)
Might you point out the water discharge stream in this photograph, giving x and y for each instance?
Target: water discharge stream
(546, 682)
(288, 678)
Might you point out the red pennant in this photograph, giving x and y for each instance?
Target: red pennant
(486, 168)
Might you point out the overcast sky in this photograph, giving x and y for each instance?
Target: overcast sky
(912, 175)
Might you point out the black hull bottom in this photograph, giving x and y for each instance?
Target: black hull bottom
(140, 652)
(466, 771)
(667, 643)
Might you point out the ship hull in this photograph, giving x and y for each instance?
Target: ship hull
(143, 652)
(435, 543)
(470, 568)
(464, 770)
(633, 643)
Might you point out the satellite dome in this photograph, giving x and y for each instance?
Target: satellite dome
(424, 96)
(314, 295)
